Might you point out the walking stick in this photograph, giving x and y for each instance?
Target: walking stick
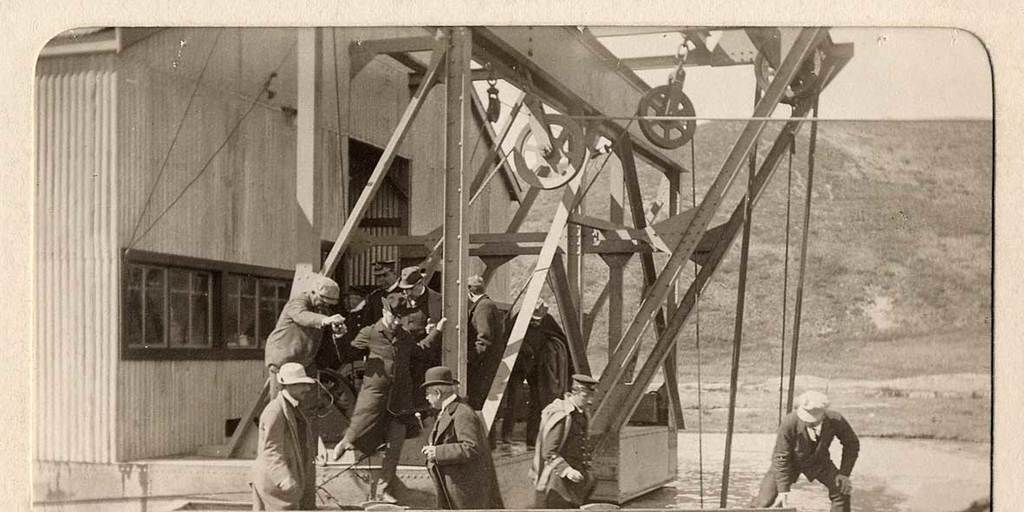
(434, 471)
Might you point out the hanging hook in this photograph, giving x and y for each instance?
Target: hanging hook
(493, 102)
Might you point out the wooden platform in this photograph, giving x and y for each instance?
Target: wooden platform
(642, 460)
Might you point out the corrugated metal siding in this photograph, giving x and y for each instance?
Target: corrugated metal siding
(174, 407)
(77, 259)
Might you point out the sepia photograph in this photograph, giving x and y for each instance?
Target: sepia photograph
(511, 266)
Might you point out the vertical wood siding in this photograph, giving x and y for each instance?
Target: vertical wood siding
(76, 259)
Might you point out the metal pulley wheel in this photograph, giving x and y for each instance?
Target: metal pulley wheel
(805, 82)
(667, 100)
(549, 167)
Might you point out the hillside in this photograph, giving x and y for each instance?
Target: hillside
(899, 263)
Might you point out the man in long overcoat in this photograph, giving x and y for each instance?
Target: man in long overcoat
(384, 405)
(486, 337)
(561, 464)
(284, 477)
(458, 453)
(296, 337)
(543, 361)
(802, 446)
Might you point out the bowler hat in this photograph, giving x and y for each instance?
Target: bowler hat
(411, 276)
(438, 375)
(293, 373)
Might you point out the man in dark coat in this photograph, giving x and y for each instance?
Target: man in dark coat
(486, 338)
(802, 446)
(424, 304)
(542, 363)
(458, 454)
(384, 406)
(386, 279)
(296, 338)
(562, 459)
(284, 477)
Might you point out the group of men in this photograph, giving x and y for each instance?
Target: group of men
(400, 342)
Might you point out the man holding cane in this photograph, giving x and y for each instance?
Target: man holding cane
(458, 453)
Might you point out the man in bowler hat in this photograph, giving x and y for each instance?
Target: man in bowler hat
(458, 454)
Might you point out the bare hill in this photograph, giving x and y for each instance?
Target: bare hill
(900, 245)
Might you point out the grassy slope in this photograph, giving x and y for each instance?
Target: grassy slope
(899, 262)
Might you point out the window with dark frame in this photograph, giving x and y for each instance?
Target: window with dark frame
(188, 308)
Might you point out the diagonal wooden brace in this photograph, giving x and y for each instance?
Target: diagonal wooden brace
(570, 194)
(808, 39)
(611, 419)
(376, 179)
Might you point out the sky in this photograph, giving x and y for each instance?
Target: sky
(904, 73)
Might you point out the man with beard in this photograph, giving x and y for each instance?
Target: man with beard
(458, 454)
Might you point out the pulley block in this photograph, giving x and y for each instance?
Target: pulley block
(805, 82)
(549, 166)
(667, 100)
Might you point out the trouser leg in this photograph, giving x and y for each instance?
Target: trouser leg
(508, 422)
(389, 466)
(536, 406)
(840, 502)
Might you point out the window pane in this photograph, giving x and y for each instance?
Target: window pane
(178, 325)
(268, 317)
(247, 322)
(133, 309)
(230, 310)
(155, 296)
(282, 291)
(248, 286)
(134, 277)
(201, 283)
(200, 320)
(177, 279)
(268, 289)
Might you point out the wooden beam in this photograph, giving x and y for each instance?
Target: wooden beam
(607, 410)
(496, 155)
(517, 221)
(384, 164)
(577, 72)
(308, 160)
(458, 91)
(570, 193)
(717, 253)
(558, 280)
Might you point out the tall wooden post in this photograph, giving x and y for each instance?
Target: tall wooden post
(308, 161)
(458, 89)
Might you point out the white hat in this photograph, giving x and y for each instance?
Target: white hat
(293, 373)
(811, 406)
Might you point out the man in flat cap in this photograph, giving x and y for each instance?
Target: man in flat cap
(562, 459)
(385, 405)
(458, 454)
(802, 446)
(486, 337)
(386, 280)
(542, 360)
(296, 338)
(284, 477)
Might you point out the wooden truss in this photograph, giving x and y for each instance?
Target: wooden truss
(549, 66)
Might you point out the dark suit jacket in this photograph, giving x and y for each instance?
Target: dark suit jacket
(795, 453)
(486, 338)
(286, 449)
(389, 385)
(463, 470)
(296, 337)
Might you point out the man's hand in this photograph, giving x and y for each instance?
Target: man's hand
(440, 324)
(332, 321)
(288, 485)
(781, 501)
(430, 452)
(844, 483)
(572, 474)
(340, 449)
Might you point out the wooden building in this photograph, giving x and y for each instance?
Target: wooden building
(167, 208)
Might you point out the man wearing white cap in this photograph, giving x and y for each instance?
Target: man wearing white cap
(284, 477)
(296, 338)
(802, 446)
